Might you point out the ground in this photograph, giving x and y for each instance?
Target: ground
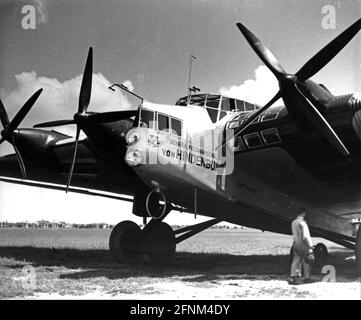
(216, 264)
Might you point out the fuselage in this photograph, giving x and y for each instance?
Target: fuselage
(271, 169)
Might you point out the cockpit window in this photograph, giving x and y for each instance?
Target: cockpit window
(217, 106)
(146, 119)
(195, 99)
(232, 104)
(213, 114)
(212, 101)
(212, 104)
(227, 105)
(163, 123)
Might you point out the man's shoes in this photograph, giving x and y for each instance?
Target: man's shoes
(309, 280)
(293, 281)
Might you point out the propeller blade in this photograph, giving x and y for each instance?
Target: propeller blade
(253, 116)
(111, 116)
(56, 123)
(86, 85)
(24, 111)
(74, 158)
(318, 121)
(325, 55)
(3, 115)
(263, 52)
(20, 159)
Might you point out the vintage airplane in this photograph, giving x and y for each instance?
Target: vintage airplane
(210, 155)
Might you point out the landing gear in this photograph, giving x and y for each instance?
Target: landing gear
(124, 241)
(157, 240)
(127, 241)
(321, 254)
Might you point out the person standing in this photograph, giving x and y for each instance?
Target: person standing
(301, 249)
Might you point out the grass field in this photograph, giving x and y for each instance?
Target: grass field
(222, 264)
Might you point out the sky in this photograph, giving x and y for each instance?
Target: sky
(147, 44)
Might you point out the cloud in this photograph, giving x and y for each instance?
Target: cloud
(59, 100)
(42, 13)
(259, 90)
(129, 85)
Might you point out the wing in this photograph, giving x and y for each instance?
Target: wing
(91, 176)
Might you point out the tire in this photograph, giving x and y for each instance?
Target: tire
(358, 250)
(321, 254)
(124, 241)
(159, 242)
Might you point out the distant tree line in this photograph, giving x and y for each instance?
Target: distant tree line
(43, 224)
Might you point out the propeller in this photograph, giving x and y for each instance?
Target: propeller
(7, 133)
(56, 123)
(295, 96)
(84, 100)
(83, 116)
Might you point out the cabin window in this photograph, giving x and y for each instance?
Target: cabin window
(163, 123)
(233, 124)
(250, 106)
(176, 127)
(270, 116)
(237, 122)
(239, 144)
(270, 136)
(253, 140)
(256, 120)
(146, 119)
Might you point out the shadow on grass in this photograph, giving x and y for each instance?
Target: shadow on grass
(193, 267)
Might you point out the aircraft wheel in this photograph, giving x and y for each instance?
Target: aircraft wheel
(159, 242)
(358, 250)
(321, 254)
(124, 241)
